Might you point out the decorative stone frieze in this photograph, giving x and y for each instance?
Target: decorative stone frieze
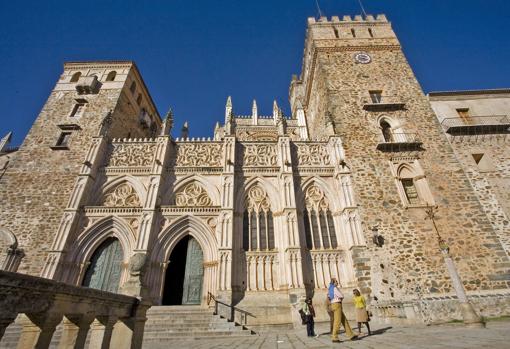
(198, 154)
(313, 155)
(260, 154)
(131, 154)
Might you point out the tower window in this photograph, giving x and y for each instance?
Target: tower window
(386, 131)
(111, 76)
(63, 139)
(75, 77)
(375, 96)
(77, 110)
(353, 32)
(132, 88)
(139, 99)
(336, 33)
(410, 191)
(464, 114)
(370, 32)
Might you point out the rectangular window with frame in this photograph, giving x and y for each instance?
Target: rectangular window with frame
(464, 115)
(77, 110)
(63, 139)
(376, 96)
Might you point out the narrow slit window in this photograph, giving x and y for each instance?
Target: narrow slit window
(336, 33)
(410, 191)
(353, 32)
(370, 32)
(375, 96)
(132, 88)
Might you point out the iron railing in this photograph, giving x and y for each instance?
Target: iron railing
(383, 103)
(400, 142)
(231, 310)
(471, 125)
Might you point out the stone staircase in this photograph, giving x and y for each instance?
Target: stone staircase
(168, 323)
(164, 324)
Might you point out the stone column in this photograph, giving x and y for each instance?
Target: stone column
(13, 259)
(101, 332)
(5, 320)
(74, 332)
(128, 332)
(37, 330)
(226, 223)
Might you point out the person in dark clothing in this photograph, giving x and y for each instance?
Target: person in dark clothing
(310, 314)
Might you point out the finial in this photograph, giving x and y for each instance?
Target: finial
(185, 130)
(254, 112)
(4, 142)
(168, 123)
(229, 102)
(330, 124)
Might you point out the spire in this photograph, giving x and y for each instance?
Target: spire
(217, 130)
(4, 142)
(330, 124)
(168, 123)
(275, 109)
(228, 109)
(254, 112)
(185, 130)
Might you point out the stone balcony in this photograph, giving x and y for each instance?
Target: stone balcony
(476, 125)
(87, 85)
(385, 103)
(39, 305)
(400, 142)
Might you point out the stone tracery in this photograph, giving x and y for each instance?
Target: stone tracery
(122, 196)
(192, 195)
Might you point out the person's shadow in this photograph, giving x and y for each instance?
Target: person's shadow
(374, 332)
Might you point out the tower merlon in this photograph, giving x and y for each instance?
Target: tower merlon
(381, 18)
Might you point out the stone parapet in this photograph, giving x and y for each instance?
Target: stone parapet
(41, 304)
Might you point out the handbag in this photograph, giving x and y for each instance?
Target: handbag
(304, 320)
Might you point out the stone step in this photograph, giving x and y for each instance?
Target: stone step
(185, 326)
(185, 321)
(194, 334)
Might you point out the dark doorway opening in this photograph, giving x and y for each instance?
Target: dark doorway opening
(174, 277)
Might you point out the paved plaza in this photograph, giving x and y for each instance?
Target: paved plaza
(455, 336)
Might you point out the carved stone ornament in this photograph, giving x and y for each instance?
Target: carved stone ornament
(137, 264)
(262, 135)
(192, 195)
(260, 155)
(130, 154)
(122, 196)
(199, 154)
(315, 199)
(257, 200)
(313, 155)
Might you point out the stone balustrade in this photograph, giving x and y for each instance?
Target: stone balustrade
(39, 305)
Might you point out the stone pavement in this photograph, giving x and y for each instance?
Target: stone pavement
(450, 336)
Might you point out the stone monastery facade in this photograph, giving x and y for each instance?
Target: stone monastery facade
(271, 207)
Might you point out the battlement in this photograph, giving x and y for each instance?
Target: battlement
(348, 20)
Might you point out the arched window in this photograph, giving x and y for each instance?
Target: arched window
(139, 99)
(132, 88)
(75, 77)
(111, 76)
(258, 227)
(386, 131)
(105, 267)
(408, 185)
(319, 225)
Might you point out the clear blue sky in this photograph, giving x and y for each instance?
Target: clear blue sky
(193, 53)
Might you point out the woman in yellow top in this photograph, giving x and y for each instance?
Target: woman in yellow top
(361, 311)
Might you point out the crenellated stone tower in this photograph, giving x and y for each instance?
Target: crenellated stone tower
(356, 79)
(37, 184)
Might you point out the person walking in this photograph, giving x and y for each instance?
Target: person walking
(330, 314)
(361, 311)
(309, 312)
(336, 297)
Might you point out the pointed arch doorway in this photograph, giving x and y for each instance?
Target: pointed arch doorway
(184, 274)
(105, 267)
